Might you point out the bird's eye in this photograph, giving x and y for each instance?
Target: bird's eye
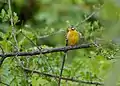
(73, 28)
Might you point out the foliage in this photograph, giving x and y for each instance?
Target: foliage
(47, 28)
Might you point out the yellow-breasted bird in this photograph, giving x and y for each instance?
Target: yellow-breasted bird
(72, 36)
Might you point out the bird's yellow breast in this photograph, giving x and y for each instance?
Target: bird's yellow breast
(72, 37)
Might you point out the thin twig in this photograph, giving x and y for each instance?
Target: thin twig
(62, 67)
(4, 83)
(47, 63)
(31, 41)
(12, 24)
(93, 13)
(64, 78)
(49, 50)
(38, 49)
(13, 33)
(89, 16)
(2, 58)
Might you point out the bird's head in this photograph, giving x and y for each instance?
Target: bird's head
(71, 28)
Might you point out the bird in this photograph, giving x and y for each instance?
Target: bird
(72, 36)
(72, 39)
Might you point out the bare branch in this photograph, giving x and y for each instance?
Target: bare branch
(62, 67)
(64, 78)
(45, 51)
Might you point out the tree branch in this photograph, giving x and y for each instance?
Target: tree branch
(45, 51)
(2, 58)
(62, 67)
(12, 24)
(63, 78)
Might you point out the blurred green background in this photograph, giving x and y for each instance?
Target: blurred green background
(44, 17)
(44, 23)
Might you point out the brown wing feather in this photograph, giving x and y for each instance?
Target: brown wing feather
(66, 40)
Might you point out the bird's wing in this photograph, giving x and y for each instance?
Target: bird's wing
(66, 39)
